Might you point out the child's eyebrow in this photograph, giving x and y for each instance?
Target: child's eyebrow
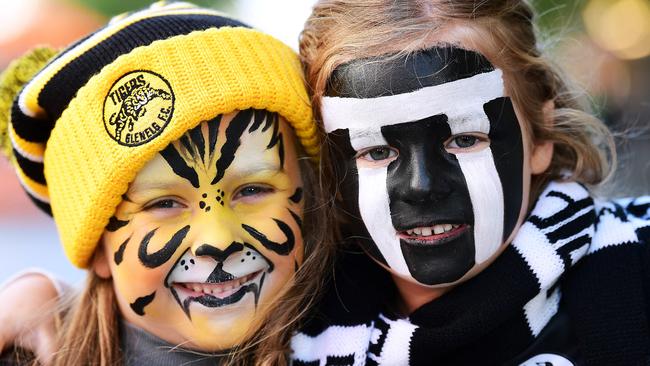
(138, 187)
(255, 168)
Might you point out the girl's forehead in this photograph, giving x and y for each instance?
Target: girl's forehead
(368, 94)
(393, 74)
(236, 144)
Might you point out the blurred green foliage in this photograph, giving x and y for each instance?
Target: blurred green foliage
(110, 8)
(558, 16)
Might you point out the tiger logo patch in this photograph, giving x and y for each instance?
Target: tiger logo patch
(137, 108)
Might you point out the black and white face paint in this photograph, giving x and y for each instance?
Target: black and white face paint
(450, 191)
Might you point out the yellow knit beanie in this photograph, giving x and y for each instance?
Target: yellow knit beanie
(87, 122)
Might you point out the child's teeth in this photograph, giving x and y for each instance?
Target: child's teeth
(431, 230)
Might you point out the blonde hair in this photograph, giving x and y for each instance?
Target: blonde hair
(89, 334)
(339, 31)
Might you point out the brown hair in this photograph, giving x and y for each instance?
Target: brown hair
(339, 31)
(90, 332)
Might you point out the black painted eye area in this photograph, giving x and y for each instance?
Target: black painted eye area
(377, 154)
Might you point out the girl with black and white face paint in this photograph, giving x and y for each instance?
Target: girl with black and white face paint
(460, 163)
(434, 161)
(436, 167)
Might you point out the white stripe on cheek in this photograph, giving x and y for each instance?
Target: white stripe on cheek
(486, 193)
(452, 99)
(375, 211)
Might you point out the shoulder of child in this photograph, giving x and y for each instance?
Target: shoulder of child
(28, 303)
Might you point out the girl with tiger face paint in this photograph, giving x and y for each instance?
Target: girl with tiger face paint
(175, 150)
(208, 234)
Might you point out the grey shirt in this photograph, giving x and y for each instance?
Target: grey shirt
(142, 348)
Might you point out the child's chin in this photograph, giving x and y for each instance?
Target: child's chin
(219, 330)
(215, 341)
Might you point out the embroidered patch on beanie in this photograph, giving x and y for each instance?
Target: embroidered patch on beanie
(137, 108)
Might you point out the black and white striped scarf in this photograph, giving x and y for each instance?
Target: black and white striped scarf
(587, 260)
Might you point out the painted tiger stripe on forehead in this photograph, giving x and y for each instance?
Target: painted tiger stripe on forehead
(193, 143)
(213, 132)
(179, 165)
(234, 132)
(196, 135)
(236, 129)
(187, 147)
(276, 139)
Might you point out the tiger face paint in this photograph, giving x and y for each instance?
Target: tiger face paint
(208, 234)
(431, 156)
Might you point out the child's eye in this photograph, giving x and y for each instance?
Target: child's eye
(252, 191)
(460, 142)
(166, 203)
(463, 141)
(377, 154)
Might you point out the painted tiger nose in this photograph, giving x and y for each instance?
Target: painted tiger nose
(216, 231)
(218, 254)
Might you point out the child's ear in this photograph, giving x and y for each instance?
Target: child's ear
(542, 153)
(100, 263)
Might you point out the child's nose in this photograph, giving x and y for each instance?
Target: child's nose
(421, 180)
(216, 232)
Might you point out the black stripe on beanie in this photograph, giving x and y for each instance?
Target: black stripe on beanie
(390, 75)
(28, 128)
(59, 90)
(40, 204)
(32, 169)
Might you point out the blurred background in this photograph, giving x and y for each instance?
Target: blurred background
(603, 44)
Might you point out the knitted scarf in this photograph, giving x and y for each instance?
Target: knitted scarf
(576, 274)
